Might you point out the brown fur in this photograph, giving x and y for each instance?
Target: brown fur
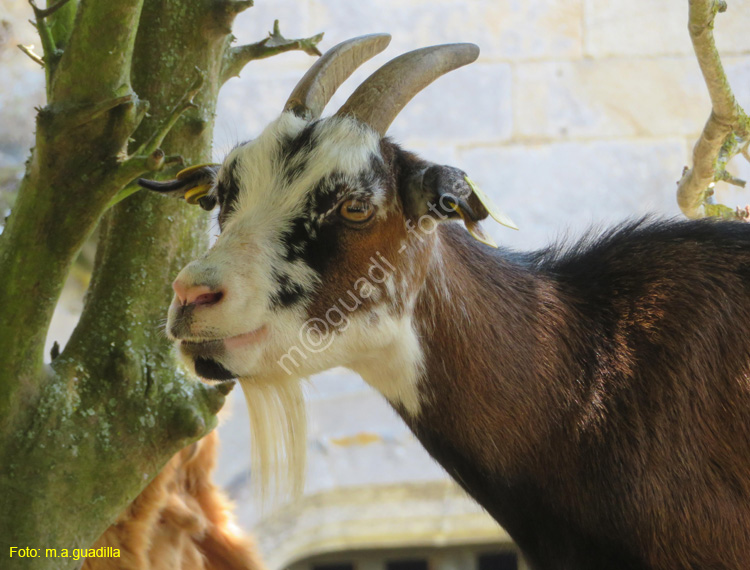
(181, 521)
(644, 463)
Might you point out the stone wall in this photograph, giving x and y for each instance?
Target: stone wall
(577, 112)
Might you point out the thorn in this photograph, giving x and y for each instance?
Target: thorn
(729, 179)
(55, 350)
(29, 50)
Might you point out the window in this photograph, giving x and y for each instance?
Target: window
(497, 561)
(334, 566)
(414, 564)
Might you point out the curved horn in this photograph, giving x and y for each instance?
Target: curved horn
(382, 96)
(318, 85)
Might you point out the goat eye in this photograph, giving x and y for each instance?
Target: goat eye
(356, 211)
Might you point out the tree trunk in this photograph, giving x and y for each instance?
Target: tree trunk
(81, 437)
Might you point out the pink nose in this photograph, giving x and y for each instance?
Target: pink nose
(196, 294)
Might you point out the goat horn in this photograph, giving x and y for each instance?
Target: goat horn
(318, 85)
(382, 96)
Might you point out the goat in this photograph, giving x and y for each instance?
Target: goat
(180, 521)
(594, 399)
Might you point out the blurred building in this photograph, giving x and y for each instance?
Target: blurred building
(577, 112)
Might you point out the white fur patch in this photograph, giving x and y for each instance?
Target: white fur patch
(396, 367)
(341, 145)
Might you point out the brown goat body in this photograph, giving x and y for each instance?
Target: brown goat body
(597, 401)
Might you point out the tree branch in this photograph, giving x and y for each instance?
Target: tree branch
(138, 165)
(104, 71)
(237, 6)
(238, 57)
(80, 115)
(149, 157)
(725, 133)
(29, 50)
(41, 13)
(49, 47)
(185, 103)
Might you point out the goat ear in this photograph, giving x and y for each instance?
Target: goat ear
(447, 192)
(193, 184)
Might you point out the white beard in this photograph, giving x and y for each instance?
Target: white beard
(278, 435)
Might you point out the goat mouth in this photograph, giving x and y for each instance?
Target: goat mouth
(210, 369)
(211, 347)
(205, 356)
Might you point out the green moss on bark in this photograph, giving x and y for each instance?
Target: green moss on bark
(80, 439)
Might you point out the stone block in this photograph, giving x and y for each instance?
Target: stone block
(647, 28)
(469, 105)
(472, 104)
(504, 29)
(617, 97)
(551, 190)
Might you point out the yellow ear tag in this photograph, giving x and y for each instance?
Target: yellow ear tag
(185, 172)
(194, 194)
(493, 210)
(474, 228)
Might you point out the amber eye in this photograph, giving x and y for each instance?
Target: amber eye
(356, 211)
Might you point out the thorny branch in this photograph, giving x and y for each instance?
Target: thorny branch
(149, 157)
(41, 13)
(726, 132)
(237, 57)
(49, 46)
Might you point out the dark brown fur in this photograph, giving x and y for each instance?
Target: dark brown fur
(597, 402)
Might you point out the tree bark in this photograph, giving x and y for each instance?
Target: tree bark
(727, 128)
(81, 437)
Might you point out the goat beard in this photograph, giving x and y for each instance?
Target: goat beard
(278, 437)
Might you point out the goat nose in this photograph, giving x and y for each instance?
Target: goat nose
(196, 294)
